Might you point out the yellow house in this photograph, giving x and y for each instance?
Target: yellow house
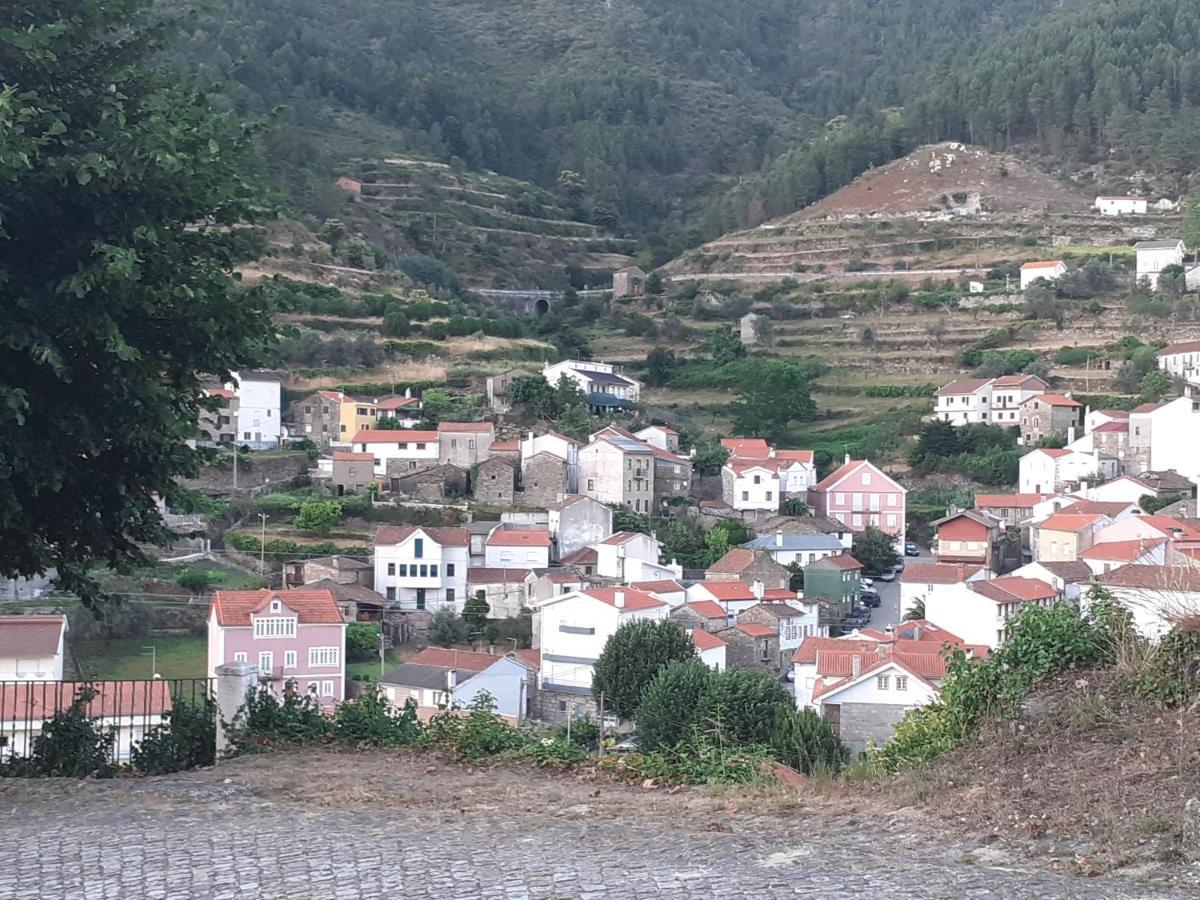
(355, 416)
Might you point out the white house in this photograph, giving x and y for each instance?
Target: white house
(438, 678)
(576, 521)
(259, 397)
(1050, 270)
(1156, 596)
(1165, 436)
(660, 436)
(1179, 535)
(572, 629)
(31, 647)
(1121, 206)
(603, 383)
(1181, 359)
(921, 580)
(524, 549)
(630, 556)
(980, 610)
(1122, 489)
(415, 449)
(800, 548)
(618, 470)
(709, 647)
(964, 401)
(797, 472)
(751, 484)
(1154, 256)
(1103, 558)
(732, 596)
(418, 567)
(1045, 471)
(506, 591)
(1070, 578)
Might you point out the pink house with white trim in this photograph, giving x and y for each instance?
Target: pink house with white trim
(858, 494)
(295, 635)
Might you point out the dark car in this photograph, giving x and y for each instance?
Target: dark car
(870, 597)
(858, 618)
(911, 549)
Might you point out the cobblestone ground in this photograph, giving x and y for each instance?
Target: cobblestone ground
(186, 837)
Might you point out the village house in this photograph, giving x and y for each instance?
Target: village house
(295, 636)
(1103, 558)
(791, 621)
(339, 569)
(571, 630)
(1121, 206)
(672, 476)
(558, 446)
(1047, 270)
(526, 549)
(582, 560)
(1110, 444)
(259, 420)
(980, 610)
(404, 411)
(628, 281)
(353, 473)
(552, 582)
(1158, 597)
(630, 556)
(219, 425)
(660, 436)
(746, 565)
(437, 679)
(1048, 415)
(495, 482)
(670, 590)
(752, 645)
(1070, 579)
(419, 567)
(1047, 471)
(576, 521)
(751, 484)
(618, 470)
(1133, 488)
(497, 388)
(964, 401)
(798, 548)
(1063, 536)
(808, 524)
(710, 648)
(859, 495)
(604, 387)
(410, 450)
(1179, 535)
(507, 591)
(429, 484)
(705, 615)
(1012, 510)
(1181, 360)
(731, 596)
(32, 647)
(746, 448)
(967, 536)
(797, 472)
(356, 602)
(1154, 256)
(836, 580)
(465, 444)
(318, 417)
(1162, 436)
(545, 477)
(1009, 392)
(920, 580)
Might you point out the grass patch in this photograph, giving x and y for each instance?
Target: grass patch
(176, 656)
(369, 670)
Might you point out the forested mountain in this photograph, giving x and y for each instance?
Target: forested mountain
(659, 104)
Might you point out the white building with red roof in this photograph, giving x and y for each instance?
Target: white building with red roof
(985, 401)
(751, 483)
(292, 636)
(1048, 471)
(412, 449)
(1158, 597)
(919, 580)
(710, 648)
(731, 596)
(1047, 270)
(1181, 359)
(31, 647)
(509, 548)
(978, 611)
(1103, 558)
(631, 556)
(422, 567)
(660, 436)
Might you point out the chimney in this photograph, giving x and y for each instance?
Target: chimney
(779, 538)
(917, 632)
(1070, 434)
(847, 460)
(619, 599)
(757, 588)
(1083, 486)
(451, 679)
(855, 666)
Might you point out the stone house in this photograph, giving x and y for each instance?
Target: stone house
(430, 485)
(219, 426)
(543, 479)
(353, 473)
(749, 566)
(495, 482)
(465, 444)
(707, 615)
(672, 475)
(618, 470)
(498, 386)
(752, 645)
(1110, 442)
(791, 624)
(629, 281)
(1047, 415)
(338, 569)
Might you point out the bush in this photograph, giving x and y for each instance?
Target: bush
(744, 703)
(806, 742)
(673, 706)
(447, 628)
(71, 745)
(320, 516)
(475, 734)
(362, 641)
(700, 762)
(195, 580)
(368, 720)
(632, 658)
(266, 720)
(186, 740)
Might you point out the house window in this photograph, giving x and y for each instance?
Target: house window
(275, 627)
(449, 595)
(275, 606)
(425, 571)
(758, 479)
(239, 657)
(289, 659)
(866, 477)
(892, 499)
(420, 446)
(404, 570)
(418, 547)
(745, 495)
(323, 656)
(882, 682)
(391, 568)
(327, 688)
(591, 484)
(391, 595)
(902, 682)
(839, 499)
(433, 570)
(449, 570)
(769, 495)
(857, 520)
(266, 659)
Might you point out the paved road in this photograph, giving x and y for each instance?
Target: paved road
(181, 837)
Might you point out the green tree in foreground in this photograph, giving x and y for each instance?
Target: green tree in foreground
(632, 658)
(874, 549)
(119, 232)
(672, 707)
(362, 640)
(321, 516)
(475, 611)
(447, 628)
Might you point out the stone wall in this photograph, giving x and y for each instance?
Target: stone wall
(546, 705)
(544, 480)
(253, 471)
(861, 722)
(494, 482)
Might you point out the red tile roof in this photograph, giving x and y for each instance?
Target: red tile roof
(841, 663)
(445, 535)
(220, 392)
(755, 629)
(806, 653)
(746, 446)
(937, 573)
(531, 658)
(847, 469)
(446, 658)
(1043, 264)
(347, 456)
(634, 599)
(1180, 347)
(1121, 425)
(801, 456)
(962, 386)
(234, 608)
(1013, 588)
(505, 446)
(734, 561)
(1011, 501)
(620, 537)
(37, 701)
(1147, 407)
(660, 453)
(1158, 578)
(1171, 527)
(584, 556)
(728, 590)
(398, 436)
(742, 464)
(519, 539)
(1068, 521)
(1054, 454)
(843, 561)
(1121, 551)
(396, 403)
(1056, 400)
(779, 594)
(465, 426)
(1110, 508)
(710, 609)
(31, 636)
(495, 575)
(664, 586)
(1011, 381)
(706, 640)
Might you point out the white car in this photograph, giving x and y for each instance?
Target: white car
(866, 582)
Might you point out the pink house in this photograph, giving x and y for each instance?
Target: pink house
(858, 494)
(291, 636)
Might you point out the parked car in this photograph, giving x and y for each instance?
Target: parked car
(887, 575)
(865, 582)
(870, 597)
(911, 549)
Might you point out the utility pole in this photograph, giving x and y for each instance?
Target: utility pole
(601, 748)
(235, 464)
(262, 547)
(153, 659)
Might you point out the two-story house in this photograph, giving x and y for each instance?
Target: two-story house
(465, 444)
(411, 450)
(979, 611)
(1047, 415)
(295, 636)
(859, 495)
(31, 647)
(418, 567)
(801, 548)
(631, 556)
(1048, 471)
(1181, 360)
(660, 436)
(498, 386)
(603, 384)
(258, 410)
(797, 472)
(966, 536)
(219, 424)
(964, 401)
(1154, 256)
(571, 630)
(836, 582)
(618, 470)
(318, 417)
(404, 411)
(517, 549)
(751, 484)
(576, 521)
